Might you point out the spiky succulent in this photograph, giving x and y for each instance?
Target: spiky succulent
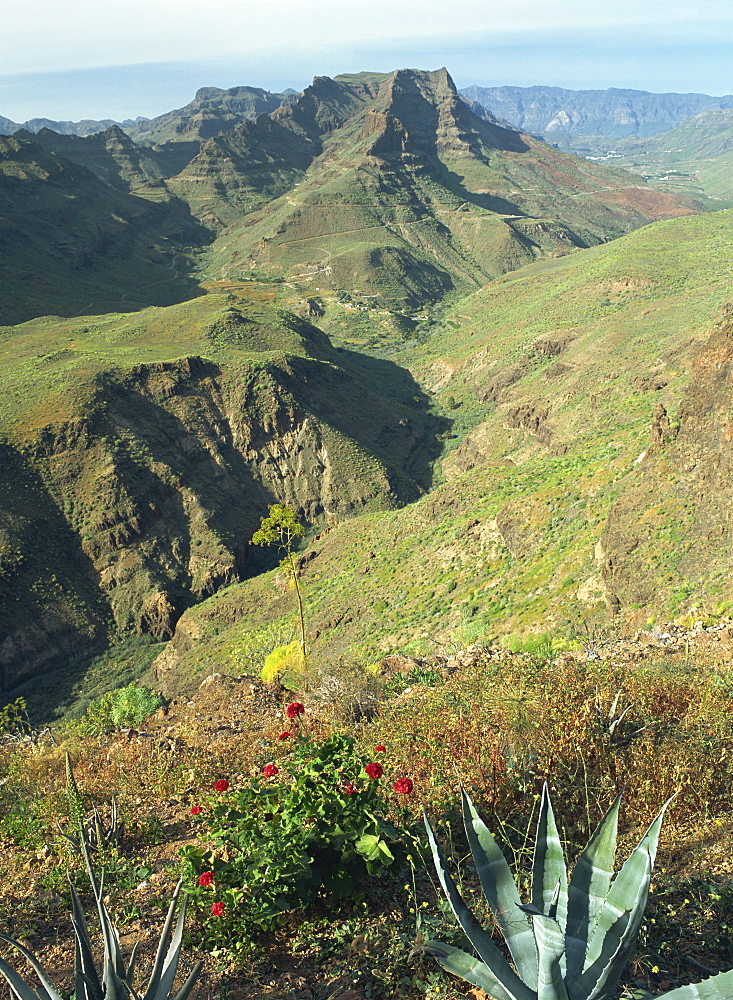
(116, 981)
(573, 939)
(92, 828)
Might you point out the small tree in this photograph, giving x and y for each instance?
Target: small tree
(281, 529)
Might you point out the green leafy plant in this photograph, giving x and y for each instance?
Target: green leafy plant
(127, 706)
(572, 941)
(282, 529)
(116, 981)
(314, 823)
(14, 718)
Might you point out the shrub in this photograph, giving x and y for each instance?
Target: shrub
(127, 706)
(314, 823)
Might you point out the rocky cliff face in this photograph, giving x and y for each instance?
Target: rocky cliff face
(611, 112)
(144, 504)
(669, 532)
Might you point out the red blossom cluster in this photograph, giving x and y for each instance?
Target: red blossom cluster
(403, 785)
(269, 770)
(195, 810)
(221, 785)
(374, 770)
(284, 736)
(206, 879)
(350, 789)
(217, 909)
(294, 709)
(380, 748)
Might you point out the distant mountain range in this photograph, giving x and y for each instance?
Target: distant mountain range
(384, 186)
(612, 112)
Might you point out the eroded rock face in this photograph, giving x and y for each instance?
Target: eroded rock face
(671, 524)
(148, 500)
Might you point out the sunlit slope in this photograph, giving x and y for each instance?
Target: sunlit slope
(407, 196)
(139, 455)
(551, 378)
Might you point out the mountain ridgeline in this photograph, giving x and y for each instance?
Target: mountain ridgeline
(535, 315)
(614, 112)
(386, 185)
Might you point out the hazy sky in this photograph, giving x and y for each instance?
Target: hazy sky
(121, 58)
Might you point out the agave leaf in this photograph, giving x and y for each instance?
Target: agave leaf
(19, 985)
(588, 888)
(23, 989)
(612, 937)
(468, 967)
(189, 983)
(88, 986)
(548, 864)
(718, 987)
(132, 966)
(501, 892)
(165, 966)
(485, 947)
(550, 948)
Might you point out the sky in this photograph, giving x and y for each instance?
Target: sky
(118, 59)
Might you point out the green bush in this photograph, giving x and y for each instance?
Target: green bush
(127, 706)
(315, 824)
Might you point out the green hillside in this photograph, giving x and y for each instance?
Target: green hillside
(695, 158)
(139, 454)
(550, 378)
(389, 187)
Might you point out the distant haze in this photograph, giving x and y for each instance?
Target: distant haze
(123, 58)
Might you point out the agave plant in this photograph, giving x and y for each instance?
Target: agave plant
(574, 937)
(92, 828)
(116, 981)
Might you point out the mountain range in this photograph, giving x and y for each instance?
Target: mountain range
(615, 112)
(469, 360)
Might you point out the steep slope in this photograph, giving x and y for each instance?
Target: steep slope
(139, 456)
(551, 378)
(110, 155)
(410, 195)
(244, 169)
(614, 112)
(668, 534)
(210, 112)
(69, 241)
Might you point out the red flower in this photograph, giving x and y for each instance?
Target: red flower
(294, 709)
(374, 770)
(380, 749)
(195, 810)
(284, 736)
(403, 785)
(217, 909)
(206, 879)
(269, 770)
(221, 785)
(349, 789)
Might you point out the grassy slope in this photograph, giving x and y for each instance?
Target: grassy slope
(413, 195)
(508, 540)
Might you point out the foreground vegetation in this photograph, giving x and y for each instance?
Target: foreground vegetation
(591, 722)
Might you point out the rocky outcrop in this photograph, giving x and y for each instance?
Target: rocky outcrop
(149, 498)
